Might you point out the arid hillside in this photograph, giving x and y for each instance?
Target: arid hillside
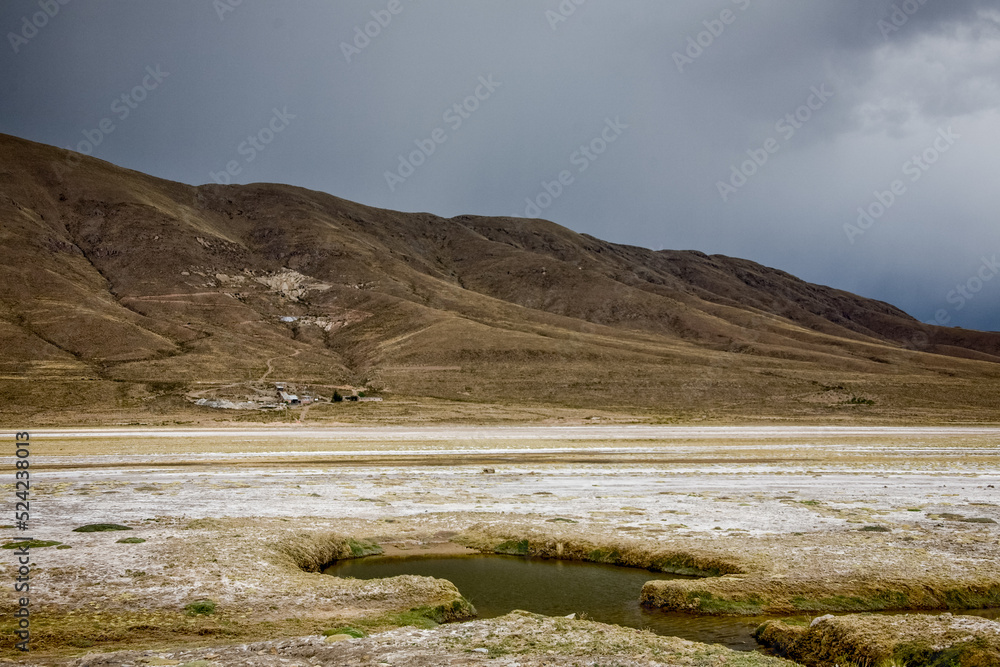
(125, 298)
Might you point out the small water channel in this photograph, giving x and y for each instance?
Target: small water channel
(497, 585)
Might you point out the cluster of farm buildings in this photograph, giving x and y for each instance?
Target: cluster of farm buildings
(291, 399)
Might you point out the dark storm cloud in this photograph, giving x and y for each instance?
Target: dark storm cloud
(579, 111)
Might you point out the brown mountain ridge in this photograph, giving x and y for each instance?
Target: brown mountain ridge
(124, 298)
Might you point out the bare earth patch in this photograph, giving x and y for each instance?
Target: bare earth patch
(519, 639)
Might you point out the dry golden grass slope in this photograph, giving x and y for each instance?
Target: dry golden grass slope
(122, 294)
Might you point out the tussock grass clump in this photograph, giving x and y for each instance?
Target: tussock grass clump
(749, 605)
(779, 635)
(100, 527)
(693, 565)
(874, 601)
(626, 553)
(760, 594)
(428, 617)
(977, 651)
(313, 552)
(874, 529)
(886, 641)
(700, 600)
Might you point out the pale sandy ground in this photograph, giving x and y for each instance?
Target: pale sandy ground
(642, 482)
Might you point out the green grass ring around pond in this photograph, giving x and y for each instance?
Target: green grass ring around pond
(100, 527)
(666, 562)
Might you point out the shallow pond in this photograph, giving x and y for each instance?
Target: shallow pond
(497, 585)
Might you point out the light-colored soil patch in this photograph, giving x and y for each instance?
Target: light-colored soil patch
(519, 639)
(262, 576)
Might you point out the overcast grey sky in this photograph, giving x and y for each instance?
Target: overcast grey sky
(752, 128)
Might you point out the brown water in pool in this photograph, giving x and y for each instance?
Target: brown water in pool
(497, 585)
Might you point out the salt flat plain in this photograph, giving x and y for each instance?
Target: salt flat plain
(754, 479)
(797, 515)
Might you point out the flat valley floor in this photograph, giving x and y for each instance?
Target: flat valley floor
(795, 519)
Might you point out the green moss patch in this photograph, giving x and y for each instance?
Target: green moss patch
(513, 547)
(707, 603)
(362, 548)
(131, 540)
(604, 556)
(686, 565)
(875, 602)
(345, 630)
(100, 527)
(974, 597)
(416, 618)
(33, 544)
(972, 653)
(431, 616)
(200, 607)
